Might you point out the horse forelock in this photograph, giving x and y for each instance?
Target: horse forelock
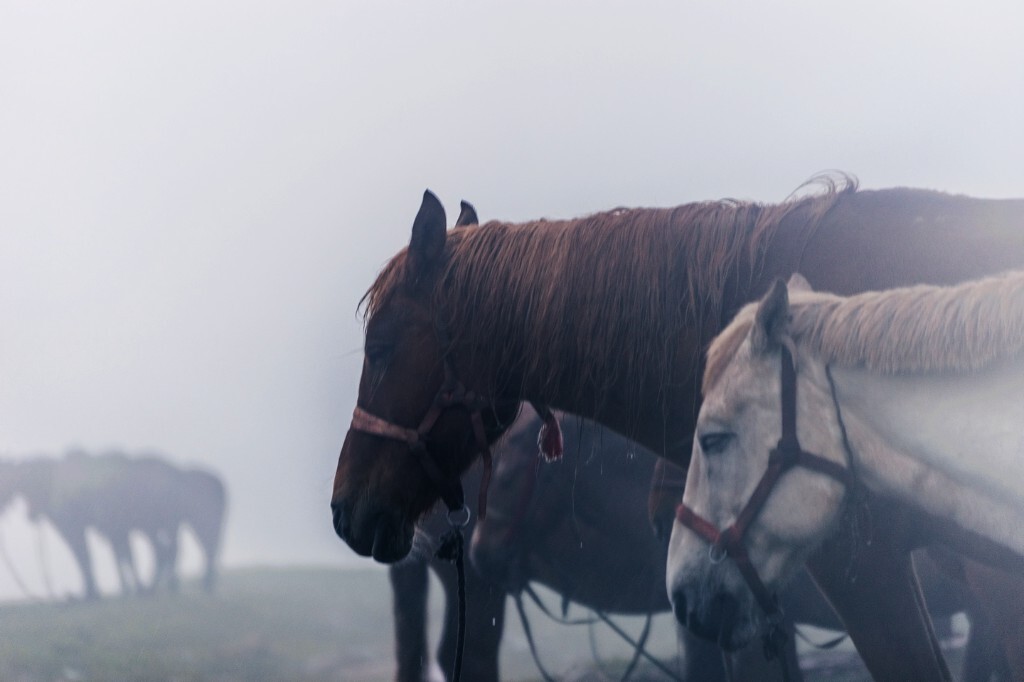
(723, 348)
(597, 301)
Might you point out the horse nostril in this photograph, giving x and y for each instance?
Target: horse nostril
(679, 606)
(341, 520)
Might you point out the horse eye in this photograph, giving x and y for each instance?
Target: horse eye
(714, 443)
(378, 353)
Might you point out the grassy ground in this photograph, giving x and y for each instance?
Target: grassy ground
(262, 625)
(279, 624)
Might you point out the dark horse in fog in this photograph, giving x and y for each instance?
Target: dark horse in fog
(115, 495)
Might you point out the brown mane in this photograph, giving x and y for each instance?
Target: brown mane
(917, 329)
(567, 299)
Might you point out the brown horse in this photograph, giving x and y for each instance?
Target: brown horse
(115, 495)
(606, 316)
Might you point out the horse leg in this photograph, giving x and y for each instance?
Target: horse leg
(75, 537)
(874, 590)
(165, 549)
(125, 566)
(982, 655)
(171, 561)
(409, 586)
(208, 530)
(485, 622)
(998, 596)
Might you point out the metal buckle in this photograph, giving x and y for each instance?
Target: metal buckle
(454, 519)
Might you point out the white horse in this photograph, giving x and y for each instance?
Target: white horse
(918, 393)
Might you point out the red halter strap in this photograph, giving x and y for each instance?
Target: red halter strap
(785, 456)
(452, 393)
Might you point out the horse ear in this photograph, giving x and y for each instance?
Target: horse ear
(467, 216)
(426, 246)
(798, 282)
(771, 319)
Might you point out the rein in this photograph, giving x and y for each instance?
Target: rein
(639, 646)
(786, 455)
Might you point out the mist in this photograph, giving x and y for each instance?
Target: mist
(194, 196)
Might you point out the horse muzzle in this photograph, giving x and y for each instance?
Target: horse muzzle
(384, 536)
(498, 563)
(718, 619)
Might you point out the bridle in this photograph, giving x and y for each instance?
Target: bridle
(452, 394)
(786, 455)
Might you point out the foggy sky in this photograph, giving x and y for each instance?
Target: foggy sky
(193, 195)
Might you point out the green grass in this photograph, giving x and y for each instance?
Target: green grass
(292, 625)
(263, 624)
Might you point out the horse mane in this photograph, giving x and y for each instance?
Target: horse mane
(919, 329)
(629, 280)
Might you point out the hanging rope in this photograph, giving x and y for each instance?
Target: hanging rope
(638, 646)
(451, 549)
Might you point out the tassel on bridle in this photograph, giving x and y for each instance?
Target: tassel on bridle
(549, 438)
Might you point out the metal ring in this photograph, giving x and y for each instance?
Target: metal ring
(453, 517)
(717, 559)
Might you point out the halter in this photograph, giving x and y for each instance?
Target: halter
(786, 455)
(453, 393)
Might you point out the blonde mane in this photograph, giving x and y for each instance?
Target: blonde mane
(920, 329)
(565, 300)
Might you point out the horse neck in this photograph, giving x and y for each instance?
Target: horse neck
(948, 443)
(656, 409)
(881, 239)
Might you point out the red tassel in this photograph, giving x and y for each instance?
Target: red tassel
(549, 440)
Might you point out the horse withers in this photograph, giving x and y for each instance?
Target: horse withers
(910, 393)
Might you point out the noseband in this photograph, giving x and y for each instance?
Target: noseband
(786, 455)
(452, 393)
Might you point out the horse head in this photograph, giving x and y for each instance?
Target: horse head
(516, 518)
(422, 414)
(577, 525)
(738, 426)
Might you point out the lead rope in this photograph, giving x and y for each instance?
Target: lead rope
(451, 549)
(599, 615)
(545, 675)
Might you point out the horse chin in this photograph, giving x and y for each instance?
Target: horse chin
(391, 543)
(387, 537)
(724, 620)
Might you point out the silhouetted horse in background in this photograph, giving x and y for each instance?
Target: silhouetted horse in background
(606, 316)
(115, 495)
